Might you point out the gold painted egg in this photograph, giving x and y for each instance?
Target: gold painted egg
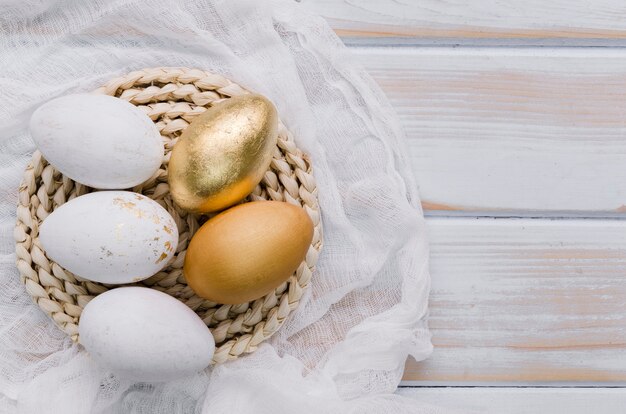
(223, 154)
(247, 251)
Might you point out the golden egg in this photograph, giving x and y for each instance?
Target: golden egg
(223, 154)
(247, 251)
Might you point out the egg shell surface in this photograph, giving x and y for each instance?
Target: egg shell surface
(98, 140)
(247, 251)
(223, 154)
(142, 334)
(110, 236)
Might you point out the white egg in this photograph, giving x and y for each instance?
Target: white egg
(145, 335)
(110, 236)
(98, 140)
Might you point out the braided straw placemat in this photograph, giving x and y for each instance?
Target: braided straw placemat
(171, 97)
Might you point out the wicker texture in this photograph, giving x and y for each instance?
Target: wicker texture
(171, 97)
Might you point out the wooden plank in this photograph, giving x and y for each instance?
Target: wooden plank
(526, 301)
(460, 19)
(522, 400)
(511, 131)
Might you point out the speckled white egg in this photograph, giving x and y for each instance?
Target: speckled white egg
(98, 140)
(110, 236)
(145, 335)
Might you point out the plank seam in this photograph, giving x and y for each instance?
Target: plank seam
(408, 42)
(539, 386)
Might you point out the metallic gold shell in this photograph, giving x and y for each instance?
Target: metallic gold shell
(223, 154)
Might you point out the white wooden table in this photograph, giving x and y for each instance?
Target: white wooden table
(515, 113)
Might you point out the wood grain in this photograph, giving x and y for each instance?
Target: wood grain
(522, 400)
(496, 131)
(460, 19)
(526, 301)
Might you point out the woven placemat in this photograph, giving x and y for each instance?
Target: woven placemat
(171, 97)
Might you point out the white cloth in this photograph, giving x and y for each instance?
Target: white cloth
(344, 348)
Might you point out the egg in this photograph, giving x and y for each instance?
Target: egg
(247, 251)
(110, 236)
(145, 335)
(98, 140)
(223, 154)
